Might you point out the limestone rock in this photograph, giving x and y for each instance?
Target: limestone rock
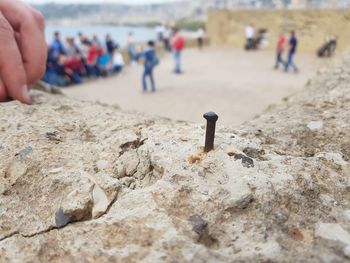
(330, 258)
(127, 164)
(15, 170)
(100, 202)
(109, 185)
(347, 215)
(315, 125)
(102, 165)
(347, 251)
(78, 206)
(333, 232)
(105, 185)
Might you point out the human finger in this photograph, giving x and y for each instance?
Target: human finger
(29, 27)
(12, 70)
(3, 94)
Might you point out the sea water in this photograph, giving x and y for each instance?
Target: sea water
(118, 33)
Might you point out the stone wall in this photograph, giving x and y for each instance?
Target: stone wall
(226, 28)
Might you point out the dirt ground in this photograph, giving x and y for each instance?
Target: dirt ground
(235, 84)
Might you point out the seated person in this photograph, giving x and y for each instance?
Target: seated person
(74, 69)
(105, 64)
(118, 61)
(51, 75)
(92, 59)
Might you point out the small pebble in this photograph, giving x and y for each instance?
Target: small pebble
(25, 153)
(315, 125)
(200, 226)
(61, 219)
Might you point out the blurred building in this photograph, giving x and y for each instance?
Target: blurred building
(290, 4)
(195, 10)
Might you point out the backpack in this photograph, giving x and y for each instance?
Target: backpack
(152, 59)
(155, 61)
(179, 43)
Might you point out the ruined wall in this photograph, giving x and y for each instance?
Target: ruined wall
(226, 28)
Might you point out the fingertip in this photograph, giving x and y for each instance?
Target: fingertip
(3, 95)
(22, 95)
(25, 98)
(12, 72)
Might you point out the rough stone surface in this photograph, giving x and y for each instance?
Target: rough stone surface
(333, 232)
(82, 182)
(315, 125)
(347, 216)
(347, 251)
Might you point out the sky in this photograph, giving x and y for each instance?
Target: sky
(98, 1)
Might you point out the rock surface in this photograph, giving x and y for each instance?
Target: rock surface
(82, 182)
(333, 232)
(347, 252)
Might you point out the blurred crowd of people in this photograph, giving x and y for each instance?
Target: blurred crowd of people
(70, 62)
(289, 46)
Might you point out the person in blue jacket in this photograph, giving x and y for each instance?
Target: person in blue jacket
(57, 45)
(150, 62)
(293, 44)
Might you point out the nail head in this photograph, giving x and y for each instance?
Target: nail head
(211, 116)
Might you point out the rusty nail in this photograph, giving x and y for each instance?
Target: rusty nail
(211, 118)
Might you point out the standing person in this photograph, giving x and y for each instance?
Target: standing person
(249, 34)
(178, 44)
(279, 51)
(130, 44)
(200, 37)
(96, 40)
(151, 61)
(166, 39)
(293, 44)
(160, 32)
(110, 45)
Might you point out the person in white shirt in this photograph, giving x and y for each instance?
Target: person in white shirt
(160, 32)
(249, 33)
(118, 61)
(166, 39)
(200, 37)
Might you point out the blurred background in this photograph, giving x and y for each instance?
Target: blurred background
(209, 55)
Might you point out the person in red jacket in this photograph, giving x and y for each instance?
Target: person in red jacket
(178, 44)
(94, 53)
(279, 51)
